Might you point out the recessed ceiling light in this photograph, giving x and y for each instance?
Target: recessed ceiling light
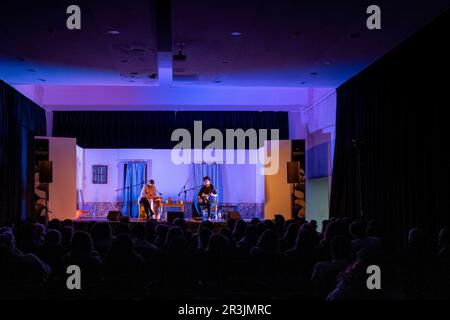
(20, 59)
(314, 73)
(236, 34)
(124, 61)
(327, 63)
(225, 61)
(303, 82)
(218, 81)
(43, 80)
(31, 70)
(113, 32)
(296, 34)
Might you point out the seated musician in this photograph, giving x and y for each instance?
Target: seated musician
(204, 194)
(148, 193)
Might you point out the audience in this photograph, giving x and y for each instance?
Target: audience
(272, 258)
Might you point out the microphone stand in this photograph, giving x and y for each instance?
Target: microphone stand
(130, 208)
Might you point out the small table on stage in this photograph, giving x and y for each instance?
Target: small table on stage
(179, 207)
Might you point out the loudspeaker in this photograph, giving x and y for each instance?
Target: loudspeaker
(45, 172)
(114, 215)
(233, 214)
(293, 172)
(172, 215)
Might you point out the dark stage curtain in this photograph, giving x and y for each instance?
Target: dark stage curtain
(153, 129)
(395, 112)
(20, 120)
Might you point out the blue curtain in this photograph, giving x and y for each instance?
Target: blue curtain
(214, 171)
(134, 179)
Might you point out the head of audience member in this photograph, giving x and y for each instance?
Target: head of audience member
(101, 231)
(207, 224)
(416, 238)
(291, 234)
(67, 222)
(357, 229)
(443, 238)
(260, 228)
(239, 229)
(81, 244)
(231, 222)
(52, 238)
(229, 235)
(7, 239)
(313, 225)
(374, 228)
(250, 237)
(268, 243)
(122, 246)
(325, 222)
(218, 246)
(54, 224)
(304, 243)
(150, 227)
(270, 225)
(279, 223)
(122, 228)
(125, 220)
(340, 248)
(39, 232)
(139, 232)
(255, 221)
(173, 231)
(43, 220)
(203, 238)
(176, 246)
(181, 223)
(66, 237)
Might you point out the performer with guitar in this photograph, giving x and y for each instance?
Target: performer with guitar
(204, 196)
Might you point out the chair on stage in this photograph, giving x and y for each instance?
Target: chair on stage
(213, 211)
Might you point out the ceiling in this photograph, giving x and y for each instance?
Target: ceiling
(283, 43)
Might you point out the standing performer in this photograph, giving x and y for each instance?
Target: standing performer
(204, 195)
(148, 193)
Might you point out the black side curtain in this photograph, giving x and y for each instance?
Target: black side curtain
(153, 129)
(392, 142)
(20, 120)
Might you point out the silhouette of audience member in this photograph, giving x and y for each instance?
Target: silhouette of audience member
(102, 237)
(54, 224)
(290, 236)
(360, 239)
(52, 252)
(144, 248)
(324, 276)
(239, 230)
(19, 273)
(66, 237)
(84, 256)
(123, 263)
